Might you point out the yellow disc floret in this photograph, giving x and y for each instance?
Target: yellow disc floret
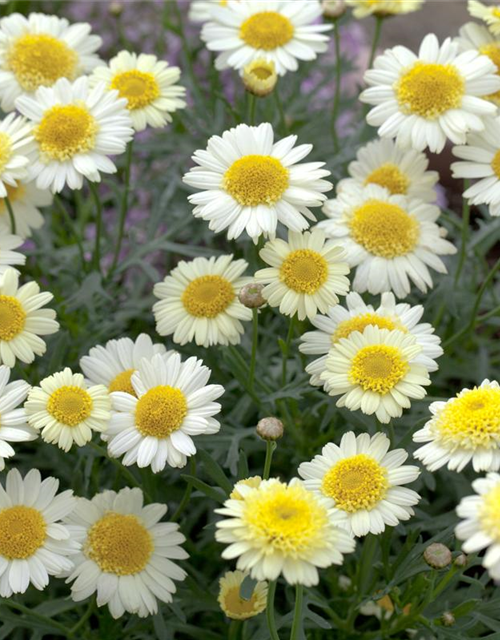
(266, 30)
(70, 405)
(495, 164)
(39, 60)
(489, 514)
(428, 90)
(65, 131)
(5, 149)
(119, 544)
(355, 483)
(122, 382)
(391, 177)
(139, 88)
(12, 317)
(384, 229)
(256, 179)
(359, 323)
(254, 482)
(492, 50)
(207, 296)
(160, 411)
(304, 271)
(22, 532)
(378, 368)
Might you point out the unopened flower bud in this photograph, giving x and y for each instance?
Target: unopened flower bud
(461, 560)
(115, 9)
(270, 428)
(259, 77)
(333, 9)
(448, 619)
(251, 295)
(437, 555)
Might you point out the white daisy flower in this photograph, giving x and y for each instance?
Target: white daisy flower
(422, 100)
(383, 8)
(375, 371)
(22, 320)
(233, 604)
(341, 322)
(249, 183)
(66, 410)
(473, 36)
(480, 527)
(148, 84)
(306, 275)
(76, 129)
(198, 301)
(402, 172)
(480, 158)
(16, 151)
(34, 544)
(25, 200)
(279, 528)
(277, 30)
(36, 50)
(392, 240)
(201, 10)
(364, 480)
(13, 425)
(464, 429)
(114, 364)
(487, 13)
(9, 257)
(126, 554)
(172, 402)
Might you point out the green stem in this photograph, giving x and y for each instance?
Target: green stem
(338, 77)
(286, 350)
(96, 259)
(252, 104)
(11, 215)
(187, 52)
(187, 493)
(255, 338)
(297, 614)
(67, 633)
(72, 227)
(234, 630)
(85, 617)
(271, 622)
(281, 111)
(270, 447)
(123, 207)
(443, 583)
(376, 37)
(464, 235)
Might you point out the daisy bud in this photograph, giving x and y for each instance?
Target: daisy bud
(333, 9)
(270, 429)
(437, 555)
(461, 560)
(115, 9)
(448, 619)
(251, 295)
(259, 77)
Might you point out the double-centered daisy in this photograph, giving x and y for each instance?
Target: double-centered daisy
(66, 410)
(391, 239)
(233, 604)
(340, 322)
(383, 8)
(13, 425)
(375, 371)
(36, 50)
(480, 528)
(198, 301)
(25, 200)
(34, 544)
(464, 429)
(490, 14)
(16, 151)
(475, 37)
(250, 183)
(422, 100)
(8, 256)
(480, 158)
(402, 172)
(114, 364)
(281, 31)
(278, 528)
(75, 129)
(364, 480)
(127, 553)
(172, 402)
(22, 319)
(306, 275)
(148, 84)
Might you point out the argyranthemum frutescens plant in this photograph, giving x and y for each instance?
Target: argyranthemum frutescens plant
(261, 323)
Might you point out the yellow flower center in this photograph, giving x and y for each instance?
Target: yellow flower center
(383, 229)
(428, 90)
(355, 483)
(5, 150)
(359, 323)
(70, 405)
(391, 177)
(304, 271)
(495, 164)
(65, 131)
(266, 30)
(495, 12)
(492, 50)
(254, 482)
(39, 60)
(139, 88)
(122, 382)
(22, 532)
(378, 368)
(160, 411)
(12, 317)
(262, 71)
(285, 519)
(237, 607)
(471, 420)
(489, 513)
(119, 544)
(207, 296)
(255, 179)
